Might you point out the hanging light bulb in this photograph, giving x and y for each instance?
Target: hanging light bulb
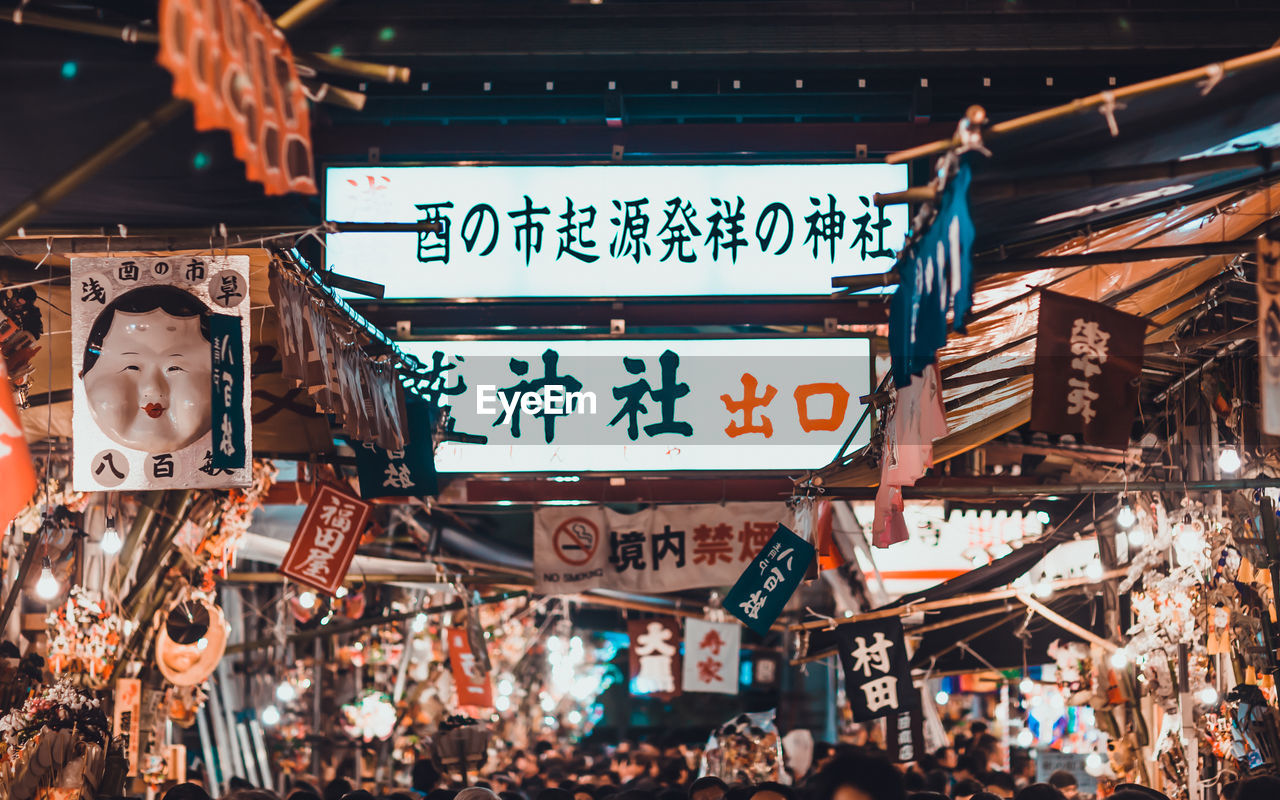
(47, 587)
(1120, 659)
(942, 698)
(1093, 570)
(1027, 686)
(1137, 537)
(270, 716)
(111, 542)
(285, 692)
(1125, 516)
(1229, 460)
(341, 592)
(1026, 738)
(307, 599)
(1208, 695)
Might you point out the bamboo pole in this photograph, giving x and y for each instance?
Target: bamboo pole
(950, 602)
(1045, 489)
(1218, 71)
(1066, 624)
(300, 12)
(356, 579)
(44, 199)
(386, 73)
(386, 619)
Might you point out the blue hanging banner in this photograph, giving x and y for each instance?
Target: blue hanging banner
(410, 472)
(935, 276)
(229, 450)
(769, 580)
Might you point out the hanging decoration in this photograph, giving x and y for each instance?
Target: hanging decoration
(146, 335)
(326, 539)
(916, 420)
(768, 582)
(1269, 332)
(410, 472)
(1088, 362)
(86, 638)
(746, 750)
(877, 672)
(470, 671)
(655, 657)
(236, 67)
(711, 656)
(59, 739)
(324, 355)
(15, 460)
(935, 280)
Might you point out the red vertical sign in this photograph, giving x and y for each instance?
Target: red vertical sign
(472, 683)
(326, 540)
(15, 461)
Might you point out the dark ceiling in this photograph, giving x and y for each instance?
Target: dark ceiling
(781, 79)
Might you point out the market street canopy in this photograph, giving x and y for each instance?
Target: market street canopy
(1184, 164)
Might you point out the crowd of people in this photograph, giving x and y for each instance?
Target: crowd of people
(970, 769)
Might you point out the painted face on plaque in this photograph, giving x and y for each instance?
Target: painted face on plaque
(147, 370)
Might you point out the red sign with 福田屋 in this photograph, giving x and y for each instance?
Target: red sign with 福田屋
(326, 540)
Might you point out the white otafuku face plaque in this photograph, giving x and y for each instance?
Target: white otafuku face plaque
(145, 377)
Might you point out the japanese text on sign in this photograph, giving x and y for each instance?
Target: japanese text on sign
(763, 589)
(662, 549)
(326, 539)
(616, 230)
(645, 405)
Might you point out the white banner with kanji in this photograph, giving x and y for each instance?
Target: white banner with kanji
(660, 549)
(711, 656)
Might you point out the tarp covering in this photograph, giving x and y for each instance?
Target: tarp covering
(1164, 125)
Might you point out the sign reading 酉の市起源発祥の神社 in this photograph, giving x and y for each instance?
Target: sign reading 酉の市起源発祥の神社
(615, 231)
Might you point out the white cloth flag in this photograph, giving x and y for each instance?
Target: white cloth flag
(711, 656)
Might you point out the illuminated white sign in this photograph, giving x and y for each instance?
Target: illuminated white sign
(615, 231)
(725, 404)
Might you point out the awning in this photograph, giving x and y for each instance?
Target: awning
(1182, 120)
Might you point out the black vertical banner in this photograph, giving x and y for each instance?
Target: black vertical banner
(227, 345)
(904, 735)
(877, 672)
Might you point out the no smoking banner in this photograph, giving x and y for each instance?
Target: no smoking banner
(576, 540)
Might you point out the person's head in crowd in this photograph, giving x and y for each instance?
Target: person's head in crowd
(913, 781)
(296, 794)
(238, 784)
(969, 767)
(401, 795)
(553, 794)
(670, 794)
(708, 787)
(441, 794)
(187, 791)
(476, 793)
(1023, 770)
(361, 794)
(858, 778)
(987, 752)
(1066, 783)
(582, 792)
(946, 757)
(1039, 791)
(335, 790)
(512, 794)
(425, 776)
(524, 763)
(1133, 791)
(1263, 787)
(927, 796)
(770, 790)
(977, 727)
(1000, 784)
(300, 785)
(984, 796)
(936, 780)
(966, 789)
(674, 772)
(251, 793)
(1136, 791)
(738, 791)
